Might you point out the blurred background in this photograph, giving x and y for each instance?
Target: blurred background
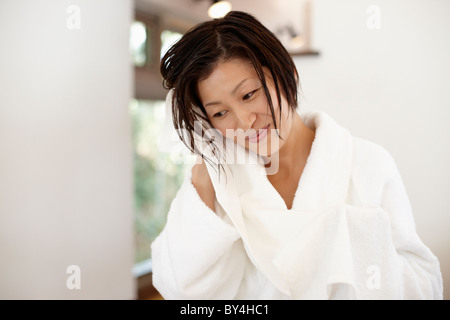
(84, 187)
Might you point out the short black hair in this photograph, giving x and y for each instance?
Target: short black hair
(194, 56)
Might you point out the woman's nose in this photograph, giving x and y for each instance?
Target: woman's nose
(246, 118)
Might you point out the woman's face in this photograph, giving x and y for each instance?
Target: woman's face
(236, 105)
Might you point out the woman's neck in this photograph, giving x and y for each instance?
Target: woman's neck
(293, 154)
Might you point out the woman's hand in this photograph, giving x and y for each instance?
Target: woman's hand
(203, 184)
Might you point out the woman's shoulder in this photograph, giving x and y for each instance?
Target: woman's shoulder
(366, 154)
(369, 149)
(372, 159)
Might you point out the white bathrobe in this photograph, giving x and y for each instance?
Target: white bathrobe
(350, 233)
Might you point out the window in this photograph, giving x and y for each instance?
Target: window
(168, 38)
(158, 173)
(138, 43)
(145, 42)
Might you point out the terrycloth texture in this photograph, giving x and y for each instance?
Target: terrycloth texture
(349, 235)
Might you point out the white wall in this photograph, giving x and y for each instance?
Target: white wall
(391, 86)
(65, 149)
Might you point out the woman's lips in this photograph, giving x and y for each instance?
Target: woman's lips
(260, 135)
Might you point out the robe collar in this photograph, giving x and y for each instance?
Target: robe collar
(326, 175)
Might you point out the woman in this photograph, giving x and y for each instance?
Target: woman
(329, 217)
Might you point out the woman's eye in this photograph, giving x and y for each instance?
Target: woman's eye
(249, 95)
(219, 114)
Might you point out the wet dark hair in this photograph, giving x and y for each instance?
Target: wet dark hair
(195, 55)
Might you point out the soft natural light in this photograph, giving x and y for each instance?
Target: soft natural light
(158, 172)
(168, 38)
(138, 39)
(219, 9)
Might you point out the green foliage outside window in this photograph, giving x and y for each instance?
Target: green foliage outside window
(157, 175)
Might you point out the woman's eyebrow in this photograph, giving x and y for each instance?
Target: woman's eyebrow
(211, 103)
(233, 92)
(238, 85)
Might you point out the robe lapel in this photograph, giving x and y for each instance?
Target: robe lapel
(326, 176)
(228, 195)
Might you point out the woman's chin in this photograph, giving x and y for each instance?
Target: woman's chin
(261, 149)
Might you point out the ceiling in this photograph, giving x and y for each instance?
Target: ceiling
(272, 13)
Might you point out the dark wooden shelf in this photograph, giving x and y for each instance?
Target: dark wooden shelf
(304, 53)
